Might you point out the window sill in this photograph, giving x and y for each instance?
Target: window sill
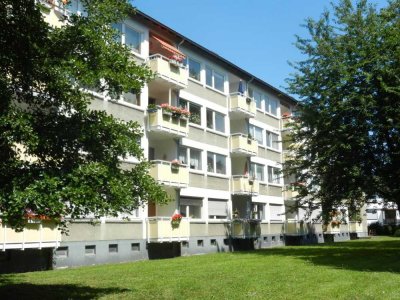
(127, 104)
(217, 132)
(218, 175)
(197, 221)
(274, 150)
(215, 90)
(196, 126)
(271, 115)
(275, 184)
(218, 221)
(195, 171)
(195, 81)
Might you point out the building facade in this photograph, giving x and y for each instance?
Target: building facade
(220, 162)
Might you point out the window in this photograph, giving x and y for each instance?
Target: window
(191, 157)
(257, 133)
(258, 211)
(271, 106)
(194, 109)
(272, 140)
(62, 252)
(76, 7)
(131, 97)
(215, 79)
(194, 69)
(135, 247)
(257, 171)
(90, 250)
(200, 243)
(191, 207)
(129, 36)
(216, 163)
(275, 212)
(215, 120)
(217, 209)
(113, 248)
(273, 175)
(258, 99)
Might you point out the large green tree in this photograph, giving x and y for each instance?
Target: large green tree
(74, 153)
(347, 134)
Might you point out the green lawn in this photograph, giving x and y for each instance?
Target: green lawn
(362, 269)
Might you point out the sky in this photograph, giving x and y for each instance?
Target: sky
(256, 35)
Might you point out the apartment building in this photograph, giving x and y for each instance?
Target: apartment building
(214, 134)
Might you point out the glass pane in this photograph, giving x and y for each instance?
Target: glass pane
(195, 114)
(259, 135)
(131, 98)
(210, 162)
(194, 69)
(182, 155)
(219, 81)
(219, 122)
(273, 107)
(183, 103)
(195, 159)
(210, 121)
(220, 164)
(258, 99)
(269, 141)
(118, 27)
(132, 39)
(208, 76)
(260, 172)
(274, 140)
(195, 212)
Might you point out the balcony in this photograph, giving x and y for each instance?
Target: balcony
(160, 229)
(167, 123)
(293, 227)
(245, 228)
(356, 226)
(169, 72)
(242, 145)
(242, 185)
(242, 106)
(170, 174)
(41, 234)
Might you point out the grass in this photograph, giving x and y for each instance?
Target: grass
(362, 269)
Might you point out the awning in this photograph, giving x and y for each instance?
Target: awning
(157, 45)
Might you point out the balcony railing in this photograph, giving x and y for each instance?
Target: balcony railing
(242, 105)
(170, 174)
(163, 122)
(243, 185)
(356, 227)
(243, 145)
(160, 229)
(43, 234)
(168, 70)
(245, 228)
(293, 227)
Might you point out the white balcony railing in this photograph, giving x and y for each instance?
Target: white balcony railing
(160, 229)
(169, 70)
(170, 174)
(43, 234)
(167, 123)
(242, 105)
(241, 144)
(243, 185)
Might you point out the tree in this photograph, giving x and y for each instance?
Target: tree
(59, 158)
(346, 138)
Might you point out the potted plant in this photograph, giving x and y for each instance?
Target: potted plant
(175, 165)
(248, 100)
(195, 118)
(176, 220)
(151, 108)
(249, 138)
(166, 109)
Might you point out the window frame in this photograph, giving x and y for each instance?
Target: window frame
(213, 81)
(254, 167)
(214, 114)
(252, 131)
(187, 105)
(276, 178)
(214, 163)
(188, 156)
(269, 140)
(189, 59)
(122, 37)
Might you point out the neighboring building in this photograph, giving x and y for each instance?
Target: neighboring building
(221, 164)
(377, 211)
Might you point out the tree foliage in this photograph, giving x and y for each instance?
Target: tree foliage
(346, 139)
(58, 157)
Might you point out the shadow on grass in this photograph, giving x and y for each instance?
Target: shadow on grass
(361, 255)
(10, 290)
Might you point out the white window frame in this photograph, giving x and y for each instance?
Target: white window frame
(269, 140)
(188, 65)
(252, 131)
(187, 106)
(188, 152)
(213, 71)
(276, 177)
(214, 166)
(253, 171)
(214, 120)
(123, 37)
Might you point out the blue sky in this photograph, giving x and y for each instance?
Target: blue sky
(256, 35)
